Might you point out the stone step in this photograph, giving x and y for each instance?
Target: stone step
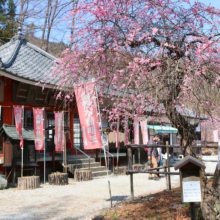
(80, 160)
(72, 167)
(95, 169)
(101, 173)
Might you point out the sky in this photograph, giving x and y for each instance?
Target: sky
(215, 3)
(64, 32)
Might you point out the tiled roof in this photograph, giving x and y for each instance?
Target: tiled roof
(26, 61)
(189, 159)
(11, 132)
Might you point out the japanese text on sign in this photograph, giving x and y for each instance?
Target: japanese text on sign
(38, 129)
(59, 132)
(191, 191)
(136, 131)
(88, 114)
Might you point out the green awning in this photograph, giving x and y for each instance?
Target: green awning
(163, 129)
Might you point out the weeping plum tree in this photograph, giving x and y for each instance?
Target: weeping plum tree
(159, 56)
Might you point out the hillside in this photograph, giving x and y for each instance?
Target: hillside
(55, 48)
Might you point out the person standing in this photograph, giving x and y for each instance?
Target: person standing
(153, 155)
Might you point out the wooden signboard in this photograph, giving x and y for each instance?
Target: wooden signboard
(190, 179)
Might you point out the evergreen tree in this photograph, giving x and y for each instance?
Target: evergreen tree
(7, 20)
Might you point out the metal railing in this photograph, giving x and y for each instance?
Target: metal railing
(81, 152)
(110, 155)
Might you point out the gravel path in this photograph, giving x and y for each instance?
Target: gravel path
(78, 200)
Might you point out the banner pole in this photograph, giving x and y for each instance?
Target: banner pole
(100, 122)
(63, 145)
(44, 147)
(117, 144)
(22, 149)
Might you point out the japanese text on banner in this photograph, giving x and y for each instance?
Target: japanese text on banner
(144, 131)
(59, 132)
(88, 114)
(126, 133)
(38, 129)
(18, 113)
(136, 131)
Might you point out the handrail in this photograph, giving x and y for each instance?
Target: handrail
(81, 152)
(111, 156)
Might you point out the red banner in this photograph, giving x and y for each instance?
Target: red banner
(38, 129)
(18, 115)
(136, 131)
(126, 133)
(59, 132)
(88, 115)
(117, 135)
(144, 131)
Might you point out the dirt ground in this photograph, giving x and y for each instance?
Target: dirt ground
(159, 206)
(165, 205)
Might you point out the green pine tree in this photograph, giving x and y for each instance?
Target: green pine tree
(8, 23)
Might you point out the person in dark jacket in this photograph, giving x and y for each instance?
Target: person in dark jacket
(153, 154)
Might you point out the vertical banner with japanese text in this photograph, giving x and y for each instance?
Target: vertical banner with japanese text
(117, 135)
(126, 133)
(38, 129)
(88, 114)
(144, 131)
(18, 115)
(136, 131)
(59, 132)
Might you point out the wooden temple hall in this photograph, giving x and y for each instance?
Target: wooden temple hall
(22, 66)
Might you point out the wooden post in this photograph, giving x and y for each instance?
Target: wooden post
(165, 170)
(192, 211)
(139, 155)
(65, 165)
(108, 152)
(168, 165)
(31, 182)
(131, 175)
(53, 151)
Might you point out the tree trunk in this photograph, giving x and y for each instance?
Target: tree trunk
(82, 175)
(31, 182)
(58, 179)
(74, 4)
(45, 23)
(210, 204)
(20, 19)
(50, 24)
(120, 170)
(138, 167)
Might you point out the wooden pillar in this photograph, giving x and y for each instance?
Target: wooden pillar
(14, 176)
(192, 211)
(108, 151)
(53, 151)
(168, 166)
(165, 170)
(71, 132)
(131, 175)
(65, 165)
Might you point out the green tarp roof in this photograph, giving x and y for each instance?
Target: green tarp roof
(163, 129)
